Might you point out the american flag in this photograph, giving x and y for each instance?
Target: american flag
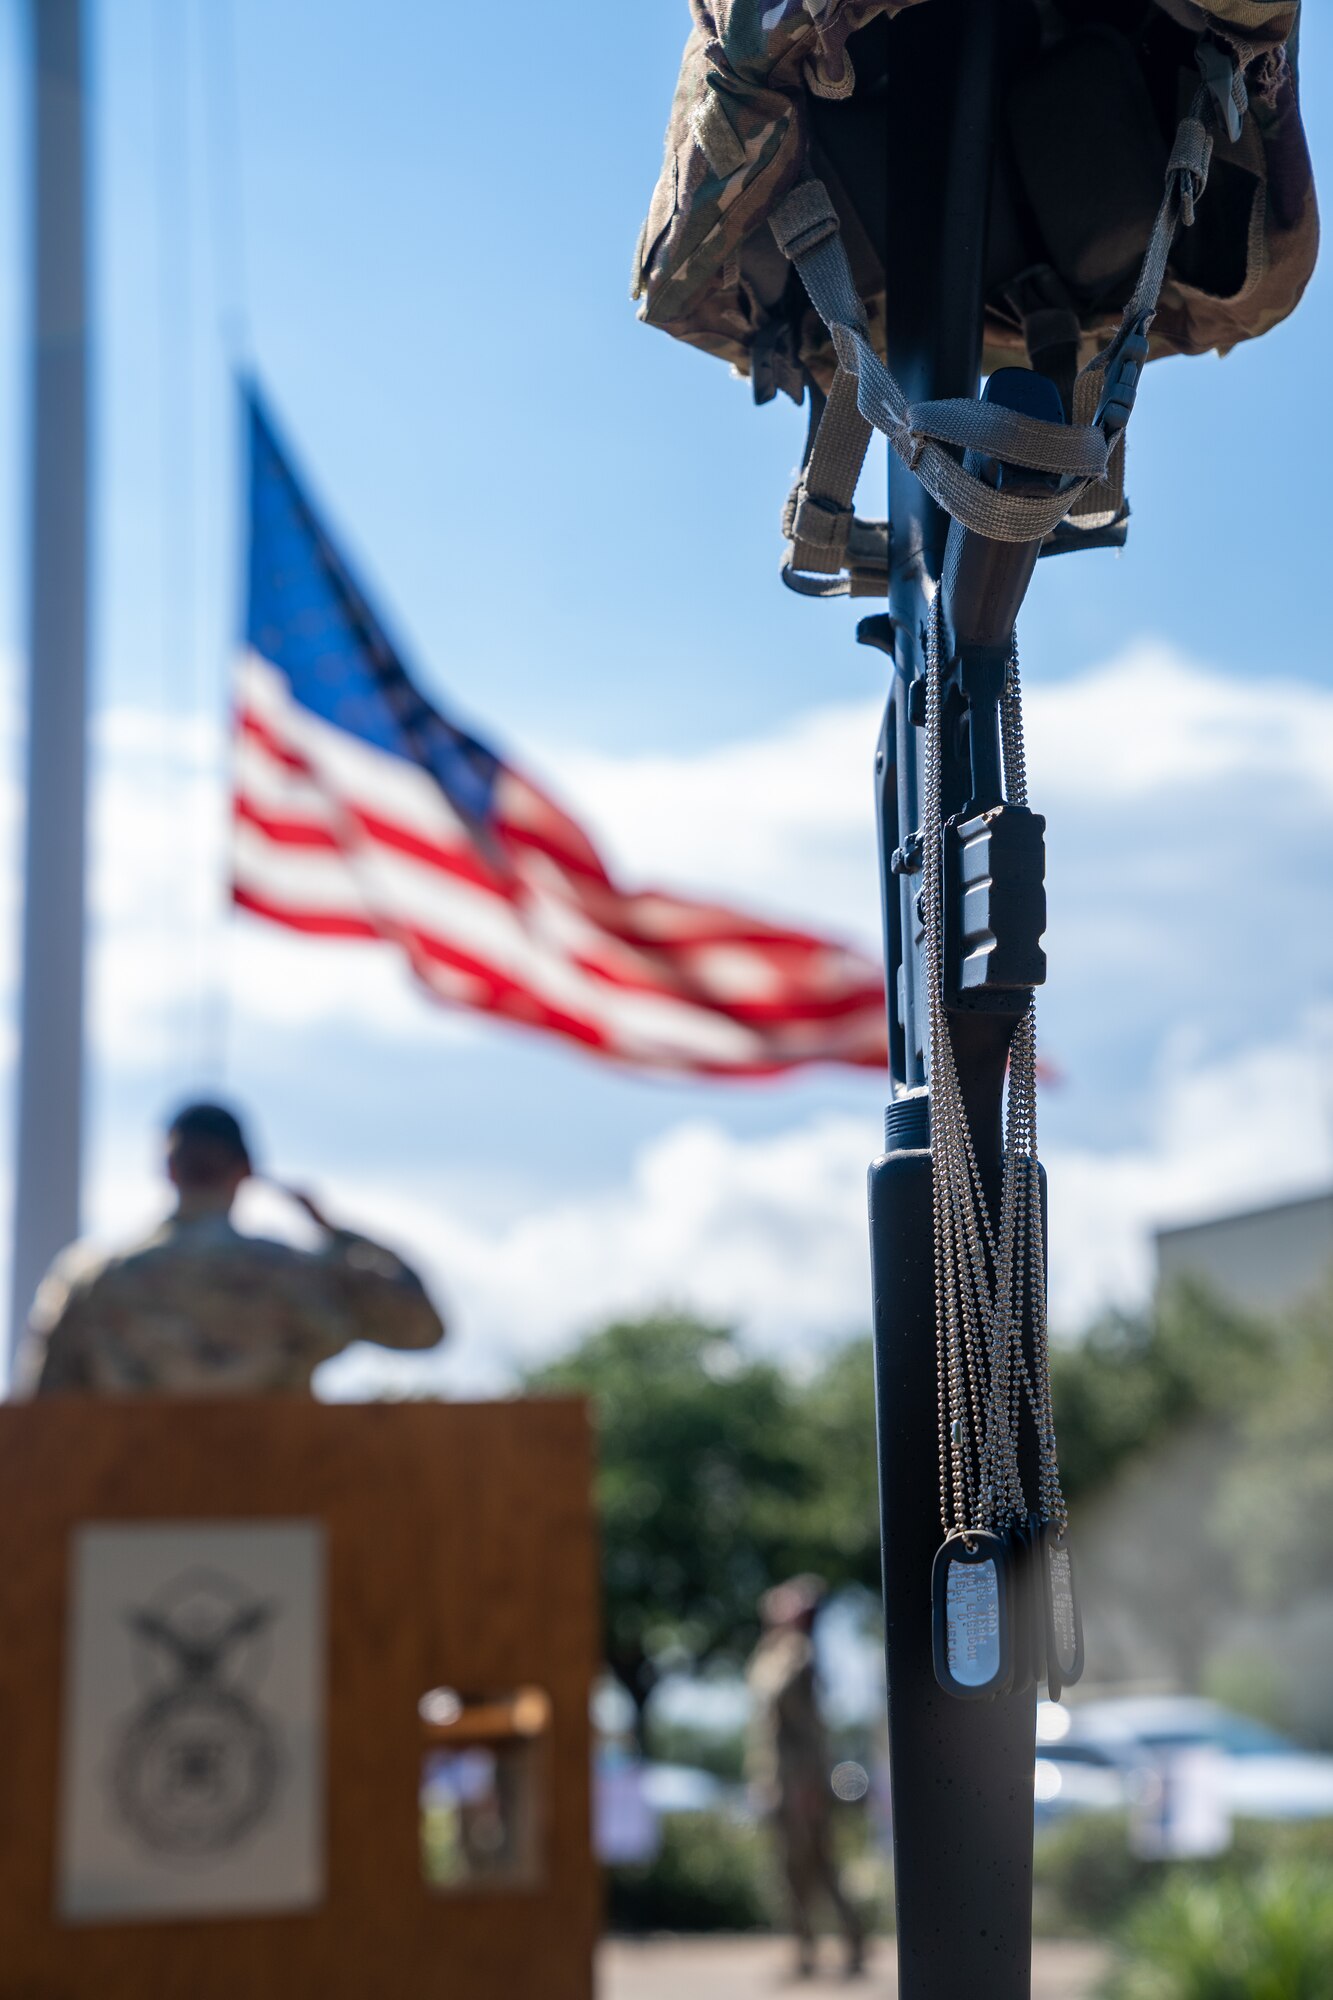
(362, 811)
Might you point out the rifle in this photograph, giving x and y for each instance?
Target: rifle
(890, 127)
(962, 1771)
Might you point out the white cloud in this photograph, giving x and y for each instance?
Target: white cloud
(1190, 844)
(770, 1233)
(167, 946)
(1153, 723)
(1156, 775)
(786, 819)
(1227, 1134)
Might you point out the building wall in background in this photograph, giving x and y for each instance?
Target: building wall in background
(1263, 1259)
(1171, 1618)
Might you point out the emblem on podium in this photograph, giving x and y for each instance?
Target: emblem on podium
(198, 1762)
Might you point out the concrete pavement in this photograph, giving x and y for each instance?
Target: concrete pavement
(729, 1968)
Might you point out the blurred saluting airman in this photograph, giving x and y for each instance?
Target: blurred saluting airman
(199, 1309)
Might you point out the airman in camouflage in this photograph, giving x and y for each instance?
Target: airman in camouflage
(200, 1309)
(787, 1763)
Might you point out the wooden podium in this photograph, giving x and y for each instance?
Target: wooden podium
(454, 1617)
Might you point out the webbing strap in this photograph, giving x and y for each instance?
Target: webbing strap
(1087, 457)
(817, 519)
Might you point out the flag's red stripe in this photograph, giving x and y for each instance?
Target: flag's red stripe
(286, 831)
(524, 1008)
(668, 973)
(320, 923)
(575, 864)
(292, 831)
(503, 995)
(464, 862)
(678, 981)
(729, 929)
(833, 1007)
(612, 910)
(654, 961)
(282, 752)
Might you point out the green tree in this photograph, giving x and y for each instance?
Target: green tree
(1133, 1378)
(838, 1523)
(720, 1473)
(1166, 1393)
(702, 1479)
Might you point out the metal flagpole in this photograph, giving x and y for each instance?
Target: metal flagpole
(50, 1073)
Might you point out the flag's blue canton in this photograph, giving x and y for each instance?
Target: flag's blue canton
(307, 618)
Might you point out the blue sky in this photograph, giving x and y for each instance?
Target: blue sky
(571, 523)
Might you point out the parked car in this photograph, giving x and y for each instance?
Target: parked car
(1079, 1777)
(1261, 1774)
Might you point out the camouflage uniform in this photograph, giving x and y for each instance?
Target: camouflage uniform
(199, 1309)
(787, 1762)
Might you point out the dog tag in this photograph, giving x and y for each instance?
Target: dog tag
(1064, 1626)
(1026, 1609)
(973, 1638)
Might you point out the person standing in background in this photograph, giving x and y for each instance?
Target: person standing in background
(787, 1763)
(197, 1308)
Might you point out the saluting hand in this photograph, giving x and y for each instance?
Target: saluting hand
(307, 1202)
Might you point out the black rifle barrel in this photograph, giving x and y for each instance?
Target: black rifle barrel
(962, 1772)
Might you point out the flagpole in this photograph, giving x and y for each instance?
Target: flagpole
(50, 1067)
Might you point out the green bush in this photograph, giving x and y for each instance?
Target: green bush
(1087, 1882)
(1086, 1879)
(717, 1873)
(721, 1751)
(712, 1873)
(1298, 1843)
(1230, 1939)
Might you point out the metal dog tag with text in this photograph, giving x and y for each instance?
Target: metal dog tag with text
(973, 1637)
(1026, 1609)
(1064, 1626)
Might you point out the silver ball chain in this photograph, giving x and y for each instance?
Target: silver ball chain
(987, 1282)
